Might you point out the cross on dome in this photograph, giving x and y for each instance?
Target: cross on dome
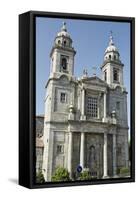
(111, 46)
(111, 38)
(64, 27)
(63, 31)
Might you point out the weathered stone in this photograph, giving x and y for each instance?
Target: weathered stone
(85, 120)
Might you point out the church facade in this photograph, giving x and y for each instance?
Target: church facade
(85, 120)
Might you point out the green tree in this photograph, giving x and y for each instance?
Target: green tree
(61, 174)
(85, 175)
(124, 170)
(39, 177)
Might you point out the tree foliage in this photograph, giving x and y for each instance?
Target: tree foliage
(124, 170)
(61, 174)
(39, 177)
(85, 175)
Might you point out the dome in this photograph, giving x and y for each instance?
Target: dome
(63, 31)
(111, 46)
(63, 39)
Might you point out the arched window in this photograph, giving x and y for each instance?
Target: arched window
(115, 57)
(105, 75)
(109, 56)
(64, 42)
(64, 63)
(58, 41)
(116, 75)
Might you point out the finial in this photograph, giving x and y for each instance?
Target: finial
(94, 70)
(111, 38)
(64, 26)
(85, 73)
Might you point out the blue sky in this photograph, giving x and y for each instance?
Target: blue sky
(90, 39)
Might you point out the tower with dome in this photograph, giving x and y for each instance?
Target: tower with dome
(85, 121)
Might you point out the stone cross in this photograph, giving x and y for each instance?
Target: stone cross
(85, 73)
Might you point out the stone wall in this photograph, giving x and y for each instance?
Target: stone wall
(76, 153)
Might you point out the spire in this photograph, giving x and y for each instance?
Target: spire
(111, 39)
(63, 28)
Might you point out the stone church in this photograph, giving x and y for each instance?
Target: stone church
(85, 120)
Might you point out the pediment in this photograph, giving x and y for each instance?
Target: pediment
(64, 79)
(94, 81)
(118, 89)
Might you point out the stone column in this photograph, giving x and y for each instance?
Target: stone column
(70, 153)
(114, 155)
(105, 164)
(104, 105)
(83, 104)
(82, 150)
(126, 151)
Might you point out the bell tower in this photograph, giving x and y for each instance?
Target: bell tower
(59, 103)
(62, 54)
(112, 67)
